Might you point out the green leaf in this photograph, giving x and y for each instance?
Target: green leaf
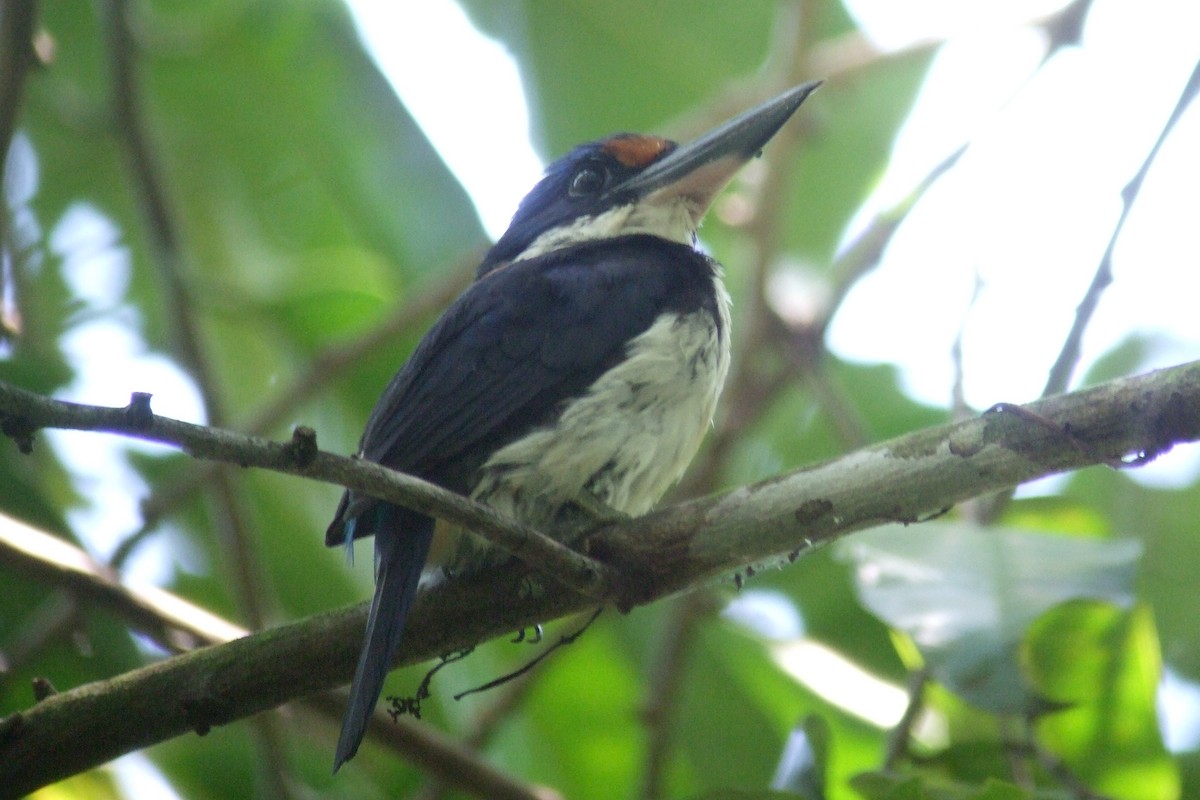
(884, 786)
(97, 784)
(1106, 662)
(893, 786)
(966, 596)
(734, 794)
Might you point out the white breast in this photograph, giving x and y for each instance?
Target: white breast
(631, 436)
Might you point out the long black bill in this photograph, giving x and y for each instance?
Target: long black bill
(700, 168)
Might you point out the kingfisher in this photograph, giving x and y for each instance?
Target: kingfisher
(575, 377)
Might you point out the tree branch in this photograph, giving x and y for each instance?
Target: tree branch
(22, 413)
(904, 479)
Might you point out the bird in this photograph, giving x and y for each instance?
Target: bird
(577, 374)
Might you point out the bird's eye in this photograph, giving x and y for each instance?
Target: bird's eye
(587, 181)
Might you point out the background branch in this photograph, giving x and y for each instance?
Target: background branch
(242, 560)
(1068, 357)
(325, 369)
(175, 624)
(16, 56)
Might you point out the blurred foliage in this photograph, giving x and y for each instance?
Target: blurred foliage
(306, 206)
(967, 595)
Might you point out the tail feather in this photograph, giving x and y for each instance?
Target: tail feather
(401, 547)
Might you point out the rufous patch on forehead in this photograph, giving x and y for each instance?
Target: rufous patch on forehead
(637, 151)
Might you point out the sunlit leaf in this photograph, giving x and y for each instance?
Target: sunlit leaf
(1105, 662)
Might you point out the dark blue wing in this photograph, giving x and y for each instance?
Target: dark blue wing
(511, 348)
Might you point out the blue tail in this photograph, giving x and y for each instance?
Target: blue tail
(402, 541)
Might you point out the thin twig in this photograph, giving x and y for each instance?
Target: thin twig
(240, 556)
(840, 408)
(163, 237)
(1068, 358)
(899, 737)
(663, 688)
(958, 390)
(16, 56)
(271, 758)
(563, 641)
(1059, 378)
(766, 224)
(753, 382)
(864, 255)
(486, 724)
(1024, 747)
(1063, 773)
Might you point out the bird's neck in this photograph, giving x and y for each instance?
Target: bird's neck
(674, 222)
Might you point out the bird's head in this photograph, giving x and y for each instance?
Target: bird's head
(630, 183)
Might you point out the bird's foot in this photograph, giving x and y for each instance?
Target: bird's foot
(535, 637)
(597, 510)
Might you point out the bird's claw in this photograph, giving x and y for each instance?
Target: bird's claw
(597, 509)
(536, 638)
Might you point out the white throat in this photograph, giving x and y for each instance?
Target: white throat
(674, 221)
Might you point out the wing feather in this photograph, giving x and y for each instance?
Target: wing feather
(512, 348)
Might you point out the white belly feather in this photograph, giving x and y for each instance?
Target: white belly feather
(631, 436)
